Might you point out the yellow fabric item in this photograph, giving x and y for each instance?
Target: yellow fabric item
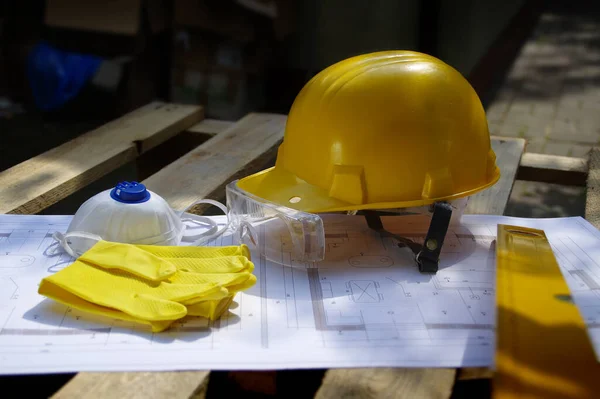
(152, 284)
(389, 129)
(214, 307)
(60, 295)
(210, 309)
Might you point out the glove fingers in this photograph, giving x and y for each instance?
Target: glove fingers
(151, 308)
(224, 264)
(127, 257)
(127, 293)
(210, 309)
(243, 285)
(196, 252)
(223, 279)
(213, 296)
(180, 292)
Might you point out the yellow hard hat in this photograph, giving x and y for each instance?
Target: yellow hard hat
(390, 129)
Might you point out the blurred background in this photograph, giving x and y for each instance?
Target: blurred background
(69, 66)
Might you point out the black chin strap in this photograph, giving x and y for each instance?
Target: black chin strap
(427, 255)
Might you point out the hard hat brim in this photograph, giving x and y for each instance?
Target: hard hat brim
(282, 187)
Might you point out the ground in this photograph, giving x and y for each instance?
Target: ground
(551, 97)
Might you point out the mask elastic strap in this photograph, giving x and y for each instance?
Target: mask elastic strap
(63, 240)
(213, 232)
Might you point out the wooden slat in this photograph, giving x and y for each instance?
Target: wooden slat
(184, 385)
(204, 172)
(553, 169)
(475, 373)
(426, 383)
(494, 199)
(210, 126)
(592, 203)
(387, 383)
(41, 181)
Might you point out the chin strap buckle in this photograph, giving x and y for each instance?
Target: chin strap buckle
(427, 255)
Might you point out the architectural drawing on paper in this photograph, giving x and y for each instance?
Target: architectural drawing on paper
(369, 288)
(367, 297)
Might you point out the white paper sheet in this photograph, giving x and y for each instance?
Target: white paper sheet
(366, 305)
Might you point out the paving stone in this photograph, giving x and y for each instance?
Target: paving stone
(537, 145)
(514, 129)
(578, 138)
(521, 106)
(564, 125)
(544, 110)
(579, 151)
(554, 148)
(537, 128)
(591, 125)
(551, 60)
(570, 100)
(551, 97)
(565, 113)
(526, 125)
(496, 111)
(494, 128)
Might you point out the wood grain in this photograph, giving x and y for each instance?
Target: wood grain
(45, 179)
(176, 385)
(210, 126)
(592, 203)
(204, 172)
(494, 199)
(387, 383)
(475, 373)
(553, 169)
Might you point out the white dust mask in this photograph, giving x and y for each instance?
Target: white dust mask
(130, 213)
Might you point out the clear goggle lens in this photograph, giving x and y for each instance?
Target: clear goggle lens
(274, 230)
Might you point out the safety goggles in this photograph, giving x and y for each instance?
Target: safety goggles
(276, 231)
(281, 233)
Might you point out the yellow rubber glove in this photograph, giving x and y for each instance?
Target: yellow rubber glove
(66, 298)
(227, 266)
(114, 291)
(152, 284)
(212, 308)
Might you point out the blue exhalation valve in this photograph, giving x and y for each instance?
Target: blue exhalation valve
(130, 192)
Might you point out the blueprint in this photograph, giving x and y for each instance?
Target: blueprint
(366, 305)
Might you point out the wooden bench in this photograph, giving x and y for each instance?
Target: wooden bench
(182, 156)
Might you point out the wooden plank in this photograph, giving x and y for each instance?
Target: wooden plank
(210, 126)
(553, 169)
(475, 373)
(183, 384)
(494, 199)
(370, 383)
(41, 181)
(204, 172)
(592, 203)
(424, 382)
